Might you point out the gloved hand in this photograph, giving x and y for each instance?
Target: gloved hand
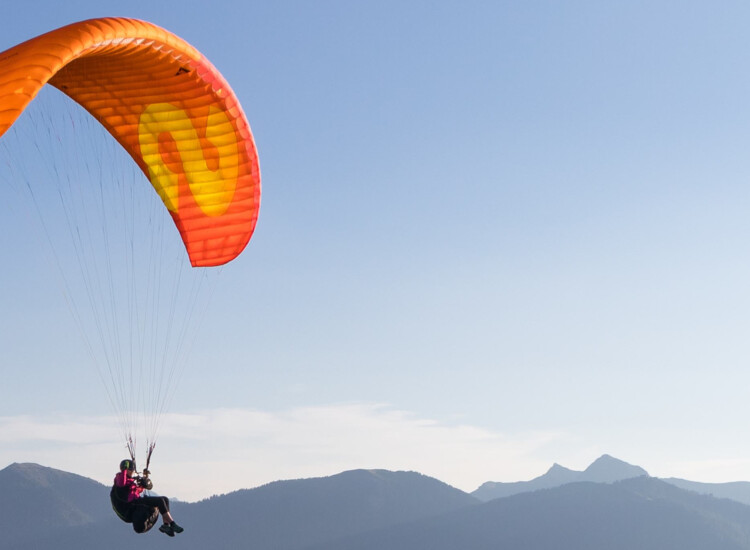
(144, 482)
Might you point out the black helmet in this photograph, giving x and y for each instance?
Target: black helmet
(127, 464)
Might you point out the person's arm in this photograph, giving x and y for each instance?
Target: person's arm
(121, 479)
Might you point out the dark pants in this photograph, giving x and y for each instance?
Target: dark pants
(162, 503)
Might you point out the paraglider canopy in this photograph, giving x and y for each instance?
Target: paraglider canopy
(167, 106)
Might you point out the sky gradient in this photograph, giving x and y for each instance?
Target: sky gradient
(493, 236)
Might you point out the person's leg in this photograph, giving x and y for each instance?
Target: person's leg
(162, 503)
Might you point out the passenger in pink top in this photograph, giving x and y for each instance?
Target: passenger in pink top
(123, 480)
(133, 507)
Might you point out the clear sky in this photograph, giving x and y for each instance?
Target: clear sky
(493, 236)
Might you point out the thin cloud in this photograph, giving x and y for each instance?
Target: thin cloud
(228, 449)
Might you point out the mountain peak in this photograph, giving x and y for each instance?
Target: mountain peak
(31, 474)
(557, 475)
(607, 469)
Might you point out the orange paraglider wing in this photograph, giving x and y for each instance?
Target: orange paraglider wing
(167, 106)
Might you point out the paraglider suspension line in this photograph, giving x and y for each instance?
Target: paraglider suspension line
(151, 448)
(131, 448)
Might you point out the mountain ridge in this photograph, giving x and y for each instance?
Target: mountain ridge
(641, 513)
(605, 469)
(36, 497)
(369, 509)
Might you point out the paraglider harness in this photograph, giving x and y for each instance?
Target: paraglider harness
(142, 516)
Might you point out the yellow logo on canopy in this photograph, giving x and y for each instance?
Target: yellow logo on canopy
(212, 187)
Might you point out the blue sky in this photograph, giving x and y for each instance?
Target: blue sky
(493, 236)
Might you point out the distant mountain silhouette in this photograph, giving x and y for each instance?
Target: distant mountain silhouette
(284, 515)
(39, 499)
(604, 469)
(379, 509)
(290, 515)
(635, 514)
(734, 490)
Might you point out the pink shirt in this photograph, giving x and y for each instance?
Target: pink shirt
(122, 480)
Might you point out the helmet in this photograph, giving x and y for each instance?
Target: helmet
(127, 464)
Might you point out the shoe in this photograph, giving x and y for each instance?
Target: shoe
(176, 528)
(166, 529)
